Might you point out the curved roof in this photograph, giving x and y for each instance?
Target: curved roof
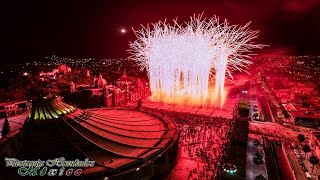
(129, 136)
(114, 139)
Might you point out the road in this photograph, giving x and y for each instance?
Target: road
(266, 109)
(253, 101)
(272, 160)
(252, 169)
(258, 96)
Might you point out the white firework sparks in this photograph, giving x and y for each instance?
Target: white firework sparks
(179, 58)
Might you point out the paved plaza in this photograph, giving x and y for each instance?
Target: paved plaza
(202, 140)
(15, 122)
(225, 112)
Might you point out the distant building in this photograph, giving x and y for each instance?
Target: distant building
(62, 69)
(88, 73)
(307, 118)
(127, 90)
(125, 79)
(72, 87)
(13, 108)
(100, 82)
(49, 73)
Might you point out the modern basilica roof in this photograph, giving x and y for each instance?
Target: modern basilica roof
(116, 139)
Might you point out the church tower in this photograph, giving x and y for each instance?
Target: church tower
(72, 87)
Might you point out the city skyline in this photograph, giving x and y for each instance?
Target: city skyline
(104, 29)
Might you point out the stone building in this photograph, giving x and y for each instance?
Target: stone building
(99, 82)
(13, 108)
(126, 91)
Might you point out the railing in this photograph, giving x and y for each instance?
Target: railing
(288, 161)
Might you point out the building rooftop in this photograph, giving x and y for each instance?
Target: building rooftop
(116, 139)
(290, 107)
(125, 77)
(316, 134)
(10, 103)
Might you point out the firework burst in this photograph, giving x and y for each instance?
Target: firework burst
(181, 58)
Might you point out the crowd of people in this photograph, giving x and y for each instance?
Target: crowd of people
(202, 141)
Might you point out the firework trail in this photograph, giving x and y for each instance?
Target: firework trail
(180, 58)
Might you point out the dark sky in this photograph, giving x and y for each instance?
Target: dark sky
(92, 28)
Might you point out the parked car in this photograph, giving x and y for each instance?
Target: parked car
(304, 168)
(298, 156)
(300, 162)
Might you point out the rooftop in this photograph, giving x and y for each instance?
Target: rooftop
(125, 77)
(316, 134)
(11, 103)
(116, 139)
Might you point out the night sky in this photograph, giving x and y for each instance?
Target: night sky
(93, 28)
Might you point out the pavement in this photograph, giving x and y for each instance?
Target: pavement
(299, 173)
(225, 112)
(15, 122)
(305, 159)
(201, 148)
(284, 165)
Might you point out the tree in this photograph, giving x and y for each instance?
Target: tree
(314, 161)
(284, 111)
(301, 138)
(306, 149)
(287, 116)
(6, 127)
(281, 106)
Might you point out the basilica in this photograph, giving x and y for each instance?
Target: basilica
(126, 91)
